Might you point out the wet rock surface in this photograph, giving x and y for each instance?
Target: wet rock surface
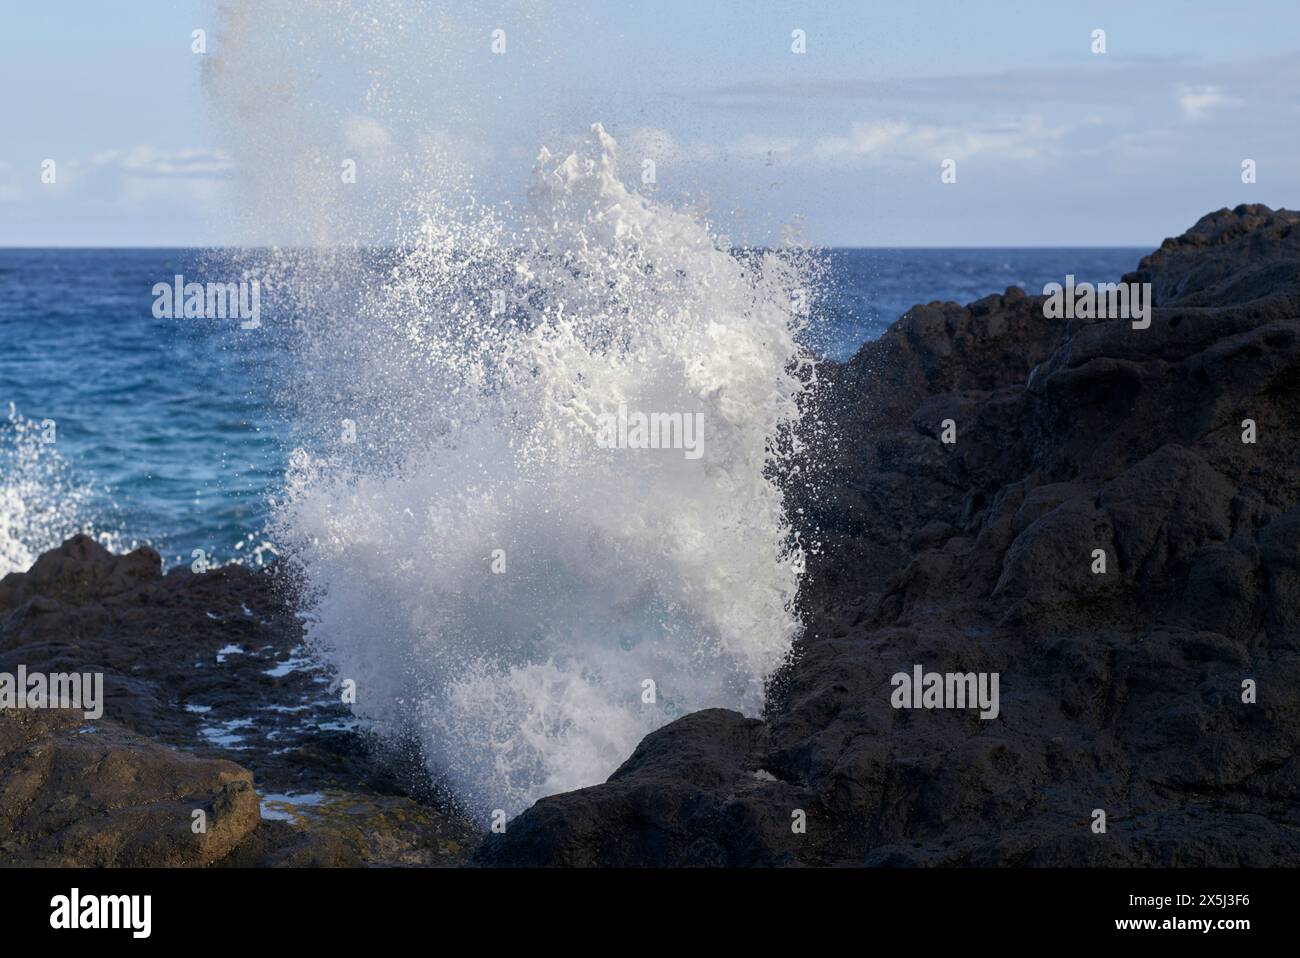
(205, 680)
(1120, 691)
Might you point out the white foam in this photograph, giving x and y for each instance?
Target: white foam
(284, 807)
(622, 565)
(41, 503)
(227, 734)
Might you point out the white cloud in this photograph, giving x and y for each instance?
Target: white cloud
(892, 140)
(148, 161)
(1198, 101)
(140, 181)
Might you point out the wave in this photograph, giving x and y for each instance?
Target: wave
(41, 501)
(503, 583)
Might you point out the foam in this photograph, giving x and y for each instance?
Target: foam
(41, 502)
(479, 433)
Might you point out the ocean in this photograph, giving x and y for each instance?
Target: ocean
(172, 432)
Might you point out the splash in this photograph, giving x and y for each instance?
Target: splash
(41, 502)
(523, 599)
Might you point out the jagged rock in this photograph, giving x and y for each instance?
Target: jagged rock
(211, 666)
(1119, 691)
(666, 803)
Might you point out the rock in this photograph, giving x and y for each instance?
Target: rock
(668, 808)
(77, 793)
(201, 671)
(1120, 691)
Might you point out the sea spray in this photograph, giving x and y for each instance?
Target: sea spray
(42, 502)
(497, 582)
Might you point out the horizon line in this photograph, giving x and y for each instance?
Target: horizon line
(135, 248)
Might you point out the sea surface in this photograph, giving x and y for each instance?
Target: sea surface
(167, 432)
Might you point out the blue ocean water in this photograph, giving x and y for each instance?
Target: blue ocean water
(166, 431)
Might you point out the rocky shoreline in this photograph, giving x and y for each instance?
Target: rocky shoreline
(1120, 691)
(209, 706)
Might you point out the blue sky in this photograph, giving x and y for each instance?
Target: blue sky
(1054, 145)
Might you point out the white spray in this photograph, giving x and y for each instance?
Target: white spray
(523, 599)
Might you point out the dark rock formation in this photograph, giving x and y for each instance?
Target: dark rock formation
(77, 793)
(1120, 691)
(212, 664)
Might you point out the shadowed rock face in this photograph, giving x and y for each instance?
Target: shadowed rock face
(190, 659)
(1119, 691)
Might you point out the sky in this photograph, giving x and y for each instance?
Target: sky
(844, 144)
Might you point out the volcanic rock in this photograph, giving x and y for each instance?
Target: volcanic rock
(1123, 692)
(201, 671)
